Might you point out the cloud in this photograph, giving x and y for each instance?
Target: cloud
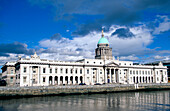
(163, 26)
(123, 33)
(111, 12)
(130, 57)
(84, 46)
(11, 51)
(16, 47)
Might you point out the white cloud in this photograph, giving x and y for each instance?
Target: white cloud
(130, 57)
(84, 47)
(163, 26)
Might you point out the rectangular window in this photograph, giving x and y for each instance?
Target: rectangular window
(11, 79)
(44, 70)
(66, 71)
(87, 71)
(34, 70)
(61, 70)
(56, 70)
(76, 71)
(50, 70)
(25, 69)
(43, 79)
(24, 79)
(80, 71)
(71, 71)
(100, 71)
(12, 71)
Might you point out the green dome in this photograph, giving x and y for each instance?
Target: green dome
(103, 41)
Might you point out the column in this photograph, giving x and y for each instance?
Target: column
(114, 75)
(53, 79)
(110, 75)
(47, 80)
(38, 76)
(58, 80)
(118, 76)
(68, 79)
(91, 76)
(31, 76)
(98, 75)
(141, 79)
(105, 75)
(64, 80)
(78, 79)
(84, 78)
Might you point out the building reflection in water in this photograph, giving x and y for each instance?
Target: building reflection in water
(129, 101)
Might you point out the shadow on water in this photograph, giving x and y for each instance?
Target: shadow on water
(127, 101)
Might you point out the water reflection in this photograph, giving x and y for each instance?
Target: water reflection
(129, 101)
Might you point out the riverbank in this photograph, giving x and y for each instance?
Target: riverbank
(76, 89)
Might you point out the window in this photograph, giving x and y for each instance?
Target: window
(76, 71)
(100, 71)
(66, 71)
(61, 70)
(87, 71)
(12, 71)
(56, 70)
(119, 63)
(71, 71)
(11, 79)
(25, 69)
(43, 79)
(100, 62)
(44, 70)
(50, 70)
(80, 71)
(136, 72)
(34, 70)
(87, 61)
(130, 72)
(94, 62)
(24, 79)
(125, 63)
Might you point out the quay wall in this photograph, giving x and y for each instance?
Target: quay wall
(77, 89)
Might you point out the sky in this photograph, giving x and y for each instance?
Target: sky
(68, 30)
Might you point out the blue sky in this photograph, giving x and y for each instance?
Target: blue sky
(137, 30)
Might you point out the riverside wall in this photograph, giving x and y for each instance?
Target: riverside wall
(77, 89)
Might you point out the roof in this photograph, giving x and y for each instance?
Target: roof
(103, 41)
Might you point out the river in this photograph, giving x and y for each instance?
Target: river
(124, 101)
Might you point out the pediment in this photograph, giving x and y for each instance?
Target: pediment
(111, 64)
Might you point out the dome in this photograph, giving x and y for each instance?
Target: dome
(103, 41)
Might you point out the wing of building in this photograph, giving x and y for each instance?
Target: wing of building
(103, 69)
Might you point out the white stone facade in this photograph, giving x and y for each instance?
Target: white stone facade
(40, 72)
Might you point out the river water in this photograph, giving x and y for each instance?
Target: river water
(124, 101)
